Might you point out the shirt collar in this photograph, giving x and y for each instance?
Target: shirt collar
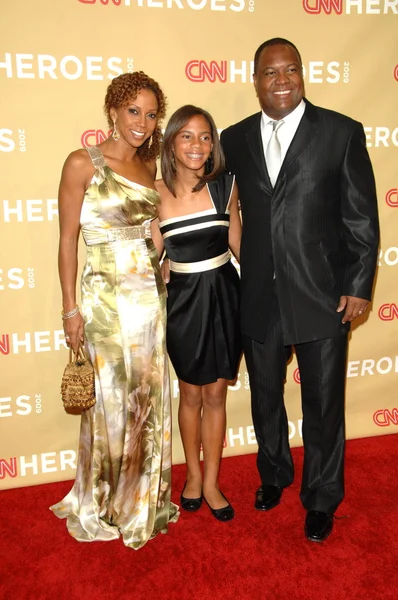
(292, 118)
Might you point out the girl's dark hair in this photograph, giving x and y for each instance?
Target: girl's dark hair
(125, 88)
(214, 165)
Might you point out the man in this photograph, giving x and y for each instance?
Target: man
(308, 258)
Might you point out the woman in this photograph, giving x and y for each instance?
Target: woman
(199, 219)
(122, 484)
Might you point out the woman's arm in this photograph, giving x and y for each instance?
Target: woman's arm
(74, 181)
(165, 266)
(157, 237)
(235, 225)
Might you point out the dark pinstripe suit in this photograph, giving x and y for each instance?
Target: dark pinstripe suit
(318, 231)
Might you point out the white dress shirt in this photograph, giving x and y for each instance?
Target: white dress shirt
(286, 132)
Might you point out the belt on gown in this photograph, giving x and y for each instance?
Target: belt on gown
(116, 234)
(201, 265)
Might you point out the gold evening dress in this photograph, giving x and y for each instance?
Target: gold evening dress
(122, 484)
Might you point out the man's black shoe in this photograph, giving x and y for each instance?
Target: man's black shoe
(267, 497)
(318, 525)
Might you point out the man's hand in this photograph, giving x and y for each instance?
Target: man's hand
(354, 307)
(165, 270)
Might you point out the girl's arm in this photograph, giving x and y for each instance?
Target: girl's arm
(235, 225)
(157, 237)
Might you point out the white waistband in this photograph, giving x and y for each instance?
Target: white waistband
(201, 265)
(116, 234)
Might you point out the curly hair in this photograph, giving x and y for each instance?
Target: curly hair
(125, 88)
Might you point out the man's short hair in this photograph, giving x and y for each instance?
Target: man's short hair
(273, 42)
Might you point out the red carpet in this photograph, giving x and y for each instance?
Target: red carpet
(257, 556)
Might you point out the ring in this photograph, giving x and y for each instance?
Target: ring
(360, 312)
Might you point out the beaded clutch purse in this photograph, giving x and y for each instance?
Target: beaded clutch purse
(77, 386)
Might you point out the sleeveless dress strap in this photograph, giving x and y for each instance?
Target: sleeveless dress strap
(230, 180)
(97, 157)
(220, 190)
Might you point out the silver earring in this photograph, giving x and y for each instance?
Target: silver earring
(115, 133)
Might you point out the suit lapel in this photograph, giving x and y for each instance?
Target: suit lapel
(306, 130)
(255, 144)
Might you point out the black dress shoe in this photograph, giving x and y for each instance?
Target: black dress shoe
(267, 497)
(222, 514)
(318, 525)
(190, 504)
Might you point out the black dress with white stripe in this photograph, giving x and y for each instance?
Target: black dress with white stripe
(203, 337)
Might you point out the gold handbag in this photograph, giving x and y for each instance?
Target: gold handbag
(77, 386)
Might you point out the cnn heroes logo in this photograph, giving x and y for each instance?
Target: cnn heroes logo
(388, 257)
(391, 198)
(31, 211)
(46, 66)
(16, 279)
(245, 436)
(10, 140)
(37, 341)
(348, 7)
(22, 406)
(93, 137)
(232, 71)
(36, 464)
(388, 311)
(381, 137)
(214, 5)
(370, 366)
(386, 417)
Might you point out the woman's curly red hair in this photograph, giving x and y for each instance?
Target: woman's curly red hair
(123, 90)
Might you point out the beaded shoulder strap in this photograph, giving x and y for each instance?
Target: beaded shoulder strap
(97, 157)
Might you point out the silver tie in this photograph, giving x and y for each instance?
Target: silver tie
(273, 155)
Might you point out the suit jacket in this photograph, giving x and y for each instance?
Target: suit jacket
(317, 230)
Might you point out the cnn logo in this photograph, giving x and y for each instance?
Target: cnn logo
(388, 312)
(93, 137)
(200, 70)
(385, 417)
(315, 7)
(392, 198)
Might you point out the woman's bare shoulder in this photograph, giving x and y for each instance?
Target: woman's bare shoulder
(78, 168)
(78, 159)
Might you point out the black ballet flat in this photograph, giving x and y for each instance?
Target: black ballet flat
(190, 504)
(224, 514)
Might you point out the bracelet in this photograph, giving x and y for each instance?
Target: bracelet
(71, 313)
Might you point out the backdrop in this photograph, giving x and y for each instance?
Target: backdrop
(56, 60)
